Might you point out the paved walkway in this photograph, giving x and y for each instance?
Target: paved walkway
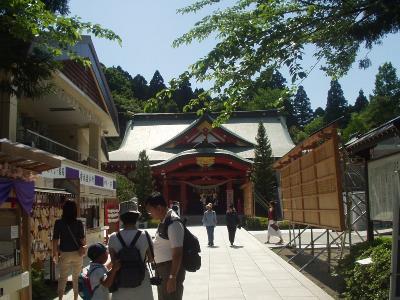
(248, 271)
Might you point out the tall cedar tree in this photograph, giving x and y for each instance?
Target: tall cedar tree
(156, 84)
(183, 94)
(336, 104)
(143, 180)
(140, 87)
(302, 107)
(361, 102)
(263, 175)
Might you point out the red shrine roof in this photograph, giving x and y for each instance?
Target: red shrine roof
(166, 135)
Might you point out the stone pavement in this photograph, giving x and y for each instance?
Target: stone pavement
(248, 271)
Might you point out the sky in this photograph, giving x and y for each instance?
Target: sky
(148, 28)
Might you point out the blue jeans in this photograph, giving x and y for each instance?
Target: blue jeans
(210, 234)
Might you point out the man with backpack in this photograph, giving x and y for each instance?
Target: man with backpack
(131, 247)
(168, 248)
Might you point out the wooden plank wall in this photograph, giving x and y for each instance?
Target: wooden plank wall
(311, 188)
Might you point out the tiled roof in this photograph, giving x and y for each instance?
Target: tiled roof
(147, 131)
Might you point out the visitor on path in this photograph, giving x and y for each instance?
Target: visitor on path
(69, 246)
(273, 228)
(131, 248)
(100, 277)
(232, 222)
(210, 221)
(168, 248)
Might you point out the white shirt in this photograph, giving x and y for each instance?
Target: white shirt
(162, 247)
(96, 276)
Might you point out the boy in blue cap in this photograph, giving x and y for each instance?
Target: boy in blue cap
(100, 278)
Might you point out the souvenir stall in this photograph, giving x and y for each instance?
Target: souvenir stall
(19, 165)
(47, 209)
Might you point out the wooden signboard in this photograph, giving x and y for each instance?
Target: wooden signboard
(311, 189)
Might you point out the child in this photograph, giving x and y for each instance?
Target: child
(100, 278)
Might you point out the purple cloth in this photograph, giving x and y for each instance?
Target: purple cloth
(25, 191)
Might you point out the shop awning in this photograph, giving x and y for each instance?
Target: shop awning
(51, 191)
(28, 158)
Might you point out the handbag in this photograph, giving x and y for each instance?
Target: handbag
(274, 226)
(81, 248)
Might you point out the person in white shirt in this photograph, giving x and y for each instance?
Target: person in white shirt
(168, 248)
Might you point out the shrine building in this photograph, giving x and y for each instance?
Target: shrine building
(194, 163)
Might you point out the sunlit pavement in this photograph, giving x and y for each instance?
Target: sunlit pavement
(249, 270)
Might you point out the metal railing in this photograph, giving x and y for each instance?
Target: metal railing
(34, 139)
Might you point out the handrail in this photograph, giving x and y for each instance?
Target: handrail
(51, 140)
(63, 150)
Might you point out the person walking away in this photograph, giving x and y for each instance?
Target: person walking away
(131, 248)
(100, 278)
(210, 221)
(232, 222)
(69, 246)
(168, 248)
(273, 228)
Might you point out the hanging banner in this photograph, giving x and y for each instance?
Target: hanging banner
(85, 176)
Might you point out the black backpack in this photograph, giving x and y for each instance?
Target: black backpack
(132, 271)
(191, 260)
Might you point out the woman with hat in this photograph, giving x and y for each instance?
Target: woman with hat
(129, 214)
(210, 221)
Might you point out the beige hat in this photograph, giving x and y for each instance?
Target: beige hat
(130, 206)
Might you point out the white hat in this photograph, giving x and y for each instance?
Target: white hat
(130, 206)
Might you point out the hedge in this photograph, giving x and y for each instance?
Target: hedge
(367, 281)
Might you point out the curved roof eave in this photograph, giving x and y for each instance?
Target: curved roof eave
(203, 151)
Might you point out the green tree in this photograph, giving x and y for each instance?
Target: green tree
(361, 102)
(316, 124)
(383, 106)
(386, 81)
(119, 81)
(263, 175)
(156, 84)
(125, 188)
(319, 112)
(32, 34)
(302, 107)
(143, 181)
(183, 94)
(140, 87)
(254, 36)
(336, 104)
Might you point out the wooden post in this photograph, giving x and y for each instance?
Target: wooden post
(25, 244)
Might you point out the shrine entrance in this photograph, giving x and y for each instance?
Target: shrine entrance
(195, 178)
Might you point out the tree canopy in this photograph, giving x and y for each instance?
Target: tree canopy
(257, 35)
(32, 34)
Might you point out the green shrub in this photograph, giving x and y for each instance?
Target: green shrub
(153, 223)
(255, 223)
(367, 281)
